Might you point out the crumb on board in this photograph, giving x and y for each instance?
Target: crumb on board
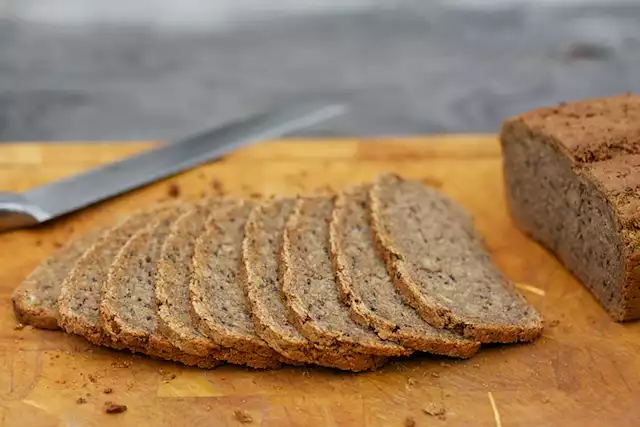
(121, 364)
(435, 410)
(554, 323)
(409, 422)
(107, 390)
(174, 190)
(476, 365)
(81, 400)
(114, 408)
(435, 374)
(19, 327)
(242, 416)
(411, 381)
(92, 378)
(217, 186)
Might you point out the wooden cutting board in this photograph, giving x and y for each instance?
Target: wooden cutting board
(584, 371)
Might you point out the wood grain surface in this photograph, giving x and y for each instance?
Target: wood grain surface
(584, 371)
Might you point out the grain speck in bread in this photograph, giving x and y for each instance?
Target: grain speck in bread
(79, 302)
(219, 307)
(127, 306)
(572, 177)
(440, 266)
(261, 251)
(35, 300)
(366, 287)
(173, 306)
(311, 294)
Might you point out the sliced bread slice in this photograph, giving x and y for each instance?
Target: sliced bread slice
(219, 307)
(127, 306)
(261, 250)
(366, 287)
(309, 287)
(35, 300)
(173, 307)
(440, 266)
(79, 302)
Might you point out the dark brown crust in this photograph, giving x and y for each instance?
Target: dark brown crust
(298, 315)
(599, 139)
(35, 300)
(429, 309)
(301, 349)
(443, 344)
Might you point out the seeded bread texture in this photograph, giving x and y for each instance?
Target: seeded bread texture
(79, 302)
(366, 287)
(440, 266)
(173, 307)
(219, 307)
(35, 300)
(127, 307)
(573, 184)
(308, 285)
(261, 250)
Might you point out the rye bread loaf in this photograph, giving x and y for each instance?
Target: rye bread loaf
(173, 307)
(260, 253)
(310, 290)
(219, 307)
(127, 306)
(35, 300)
(440, 266)
(79, 302)
(366, 287)
(573, 184)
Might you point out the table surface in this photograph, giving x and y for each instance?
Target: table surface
(583, 371)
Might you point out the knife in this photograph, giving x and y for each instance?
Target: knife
(49, 201)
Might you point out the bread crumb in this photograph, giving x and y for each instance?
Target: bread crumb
(174, 190)
(92, 378)
(444, 365)
(121, 364)
(435, 374)
(81, 400)
(475, 365)
(114, 408)
(107, 390)
(409, 422)
(411, 382)
(554, 323)
(217, 186)
(19, 327)
(243, 416)
(434, 410)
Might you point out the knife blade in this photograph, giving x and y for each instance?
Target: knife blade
(67, 195)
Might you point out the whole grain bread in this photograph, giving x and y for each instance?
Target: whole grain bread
(219, 307)
(79, 302)
(35, 300)
(261, 250)
(440, 266)
(127, 306)
(173, 307)
(572, 176)
(310, 290)
(366, 287)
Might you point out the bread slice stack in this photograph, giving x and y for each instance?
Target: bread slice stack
(347, 281)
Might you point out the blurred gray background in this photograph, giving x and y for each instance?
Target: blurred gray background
(160, 69)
